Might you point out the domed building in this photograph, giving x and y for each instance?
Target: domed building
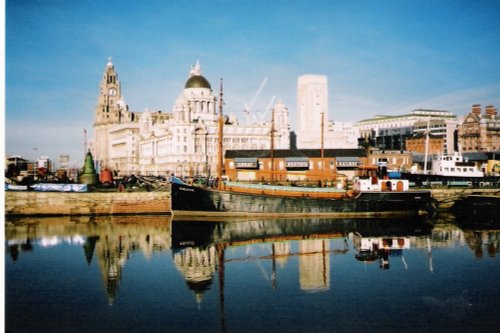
(183, 142)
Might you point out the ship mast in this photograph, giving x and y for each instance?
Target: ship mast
(272, 146)
(219, 147)
(322, 148)
(426, 145)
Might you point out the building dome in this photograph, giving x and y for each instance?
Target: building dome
(197, 81)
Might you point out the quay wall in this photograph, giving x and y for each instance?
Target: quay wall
(110, 203)
(446, 197)
(93, 203)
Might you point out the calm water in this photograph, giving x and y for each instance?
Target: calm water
(151, 274)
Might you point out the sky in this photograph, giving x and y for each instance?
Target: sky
(380, 57)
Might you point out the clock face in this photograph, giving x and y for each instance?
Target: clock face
(112, 92)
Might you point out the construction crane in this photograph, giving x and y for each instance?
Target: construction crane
(248, 108)
(263, 114)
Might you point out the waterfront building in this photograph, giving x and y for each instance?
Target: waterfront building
(341, 135)
(64, 161)
(17, 166)
(395, 159)
(183, 142)
(480, 132)
(312, 109)
(391, 132)
(443, 130)
(44, 164)
(312, 116)
(420, 144)
(291, 165)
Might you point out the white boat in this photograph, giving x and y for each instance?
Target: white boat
(451, 170)
(454, 166)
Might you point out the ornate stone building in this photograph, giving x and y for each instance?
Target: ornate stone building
(183, 142)
(480, 132)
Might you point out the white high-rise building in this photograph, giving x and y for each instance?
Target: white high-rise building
(312, 112)
(312, 105)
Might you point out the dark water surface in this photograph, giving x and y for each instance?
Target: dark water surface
(151, 274)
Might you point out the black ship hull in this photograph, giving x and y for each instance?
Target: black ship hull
(197, 201)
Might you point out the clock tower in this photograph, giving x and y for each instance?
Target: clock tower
(110, 107)
(110, 111)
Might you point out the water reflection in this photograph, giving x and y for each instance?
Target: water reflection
(109, 240)
(197, 247)
(203, 252)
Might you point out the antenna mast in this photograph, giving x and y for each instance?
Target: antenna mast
(220, 142)
(272, 146)
(322, 147)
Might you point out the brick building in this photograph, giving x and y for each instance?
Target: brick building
(287, 165)
(480, 132)
(417, 144)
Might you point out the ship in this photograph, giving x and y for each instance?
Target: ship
(370, 196)
(242, 199)
(450, 170)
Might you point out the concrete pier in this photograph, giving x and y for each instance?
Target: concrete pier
(94, 203)
(109, 203)
(446, 197)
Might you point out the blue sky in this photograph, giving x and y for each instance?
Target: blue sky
(380, 57)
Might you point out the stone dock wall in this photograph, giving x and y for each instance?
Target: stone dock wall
(110, 203)
(446, 197)
(92, 203)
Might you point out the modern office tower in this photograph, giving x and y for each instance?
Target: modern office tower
(312, 106)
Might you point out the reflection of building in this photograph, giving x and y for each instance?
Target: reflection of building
(314, 265)
(281, 253)
(116, 242)
(110, 240)
(197, 265)
(111, 255)
(483, 242)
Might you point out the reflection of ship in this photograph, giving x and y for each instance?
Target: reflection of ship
(371, 249)
(203, 245)
(312, 235)
(198, 233)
